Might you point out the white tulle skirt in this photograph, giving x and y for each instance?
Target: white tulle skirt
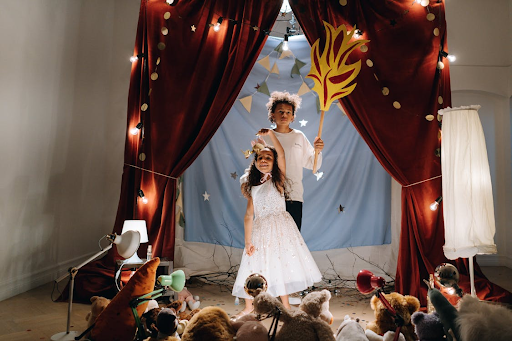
(281, 256)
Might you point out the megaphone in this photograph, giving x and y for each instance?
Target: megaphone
(367, 282)
(175, 281)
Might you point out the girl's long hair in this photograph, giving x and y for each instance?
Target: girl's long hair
(255, 176)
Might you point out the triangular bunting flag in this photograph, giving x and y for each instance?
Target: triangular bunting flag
(304, 88)
(279, 48)
(275, 69)
(285, 54)
(264, 89)
(295, 70)
(265, 62)
(338, 104)
(299, 63)
(247, 102)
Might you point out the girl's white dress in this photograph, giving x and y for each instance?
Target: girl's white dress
(281, 255)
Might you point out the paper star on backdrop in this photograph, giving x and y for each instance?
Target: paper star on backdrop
(234, 175)
(319, 175)
(273, 126)
(193, 28)
(303, 123)
(341, 209)
(206, 196)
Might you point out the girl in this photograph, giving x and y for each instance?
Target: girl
(274, 247)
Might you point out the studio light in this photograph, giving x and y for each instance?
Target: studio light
(135, 130)
(435, 204)
(142, 197)
(285, 43)
(216, 27)
(127, 244)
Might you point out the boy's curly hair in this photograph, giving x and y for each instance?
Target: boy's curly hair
(278, 97)
(255, 175)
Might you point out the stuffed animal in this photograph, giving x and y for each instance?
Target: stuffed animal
(98, 304)
(186, 315)
(298, 325)
(190, 300)
(428, 327)
(350, 330)
(212, 324)
(475, 320)
(447, 313)
(182, 324)
(149, 319)
(249, 328)
(316, 304)
(388, 336)
(404, 305)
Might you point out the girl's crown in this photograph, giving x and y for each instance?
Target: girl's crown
(257, 145)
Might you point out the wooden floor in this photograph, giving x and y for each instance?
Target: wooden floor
(33, 316)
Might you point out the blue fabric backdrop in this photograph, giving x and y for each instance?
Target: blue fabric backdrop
(352, 177)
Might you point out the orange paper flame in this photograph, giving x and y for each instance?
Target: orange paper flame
(330, 72)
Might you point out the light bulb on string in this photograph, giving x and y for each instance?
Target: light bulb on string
(358, 33)
(216, 27)
(285, 43)
(142, 197)
(451, 58)
(435, 204)
(133, 59)
(135, 130)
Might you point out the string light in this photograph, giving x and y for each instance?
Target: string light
(451, 58)
(143, 198)
(285, 43)
(216, 27)
(134, 59)
(358, 33)
(135, 130)
(435, 204)
(171, 2)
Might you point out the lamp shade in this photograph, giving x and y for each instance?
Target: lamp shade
(367, 282)
(176, 280)
(139, 226)
(127, 243)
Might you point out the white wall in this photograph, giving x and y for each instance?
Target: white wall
(64, 74)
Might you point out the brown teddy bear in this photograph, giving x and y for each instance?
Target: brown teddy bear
(212, 324)
(404, 305)
(305, 324)
(98, 304)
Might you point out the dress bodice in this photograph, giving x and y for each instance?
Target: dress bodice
(267, 199)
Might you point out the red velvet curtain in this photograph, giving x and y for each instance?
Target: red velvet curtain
(404, 49)
(188, 76)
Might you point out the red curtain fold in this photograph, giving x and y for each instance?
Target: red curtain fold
(189, 76)
(402, 56)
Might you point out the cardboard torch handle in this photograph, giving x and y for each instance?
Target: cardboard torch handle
(319, 136)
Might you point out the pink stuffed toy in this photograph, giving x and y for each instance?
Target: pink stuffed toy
(190, 300)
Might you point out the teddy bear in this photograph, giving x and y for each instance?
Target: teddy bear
(305, 324)
(249, 328)
(350, 330)
(98, 304)
(148, 320)
(388, 336)
(428, 327)
(404, 305)
(212, 324)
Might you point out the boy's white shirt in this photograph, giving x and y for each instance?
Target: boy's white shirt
(299, 154)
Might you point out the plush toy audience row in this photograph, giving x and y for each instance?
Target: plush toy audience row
(471, 320)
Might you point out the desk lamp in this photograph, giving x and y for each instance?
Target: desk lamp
(127, 244)
(139, 226)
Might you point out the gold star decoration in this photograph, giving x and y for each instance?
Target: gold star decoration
(257, 86)
(341, 209)
(193, 28)
(247, 153)
(255, 28)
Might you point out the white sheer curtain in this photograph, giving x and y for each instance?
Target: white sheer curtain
(467, 191)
